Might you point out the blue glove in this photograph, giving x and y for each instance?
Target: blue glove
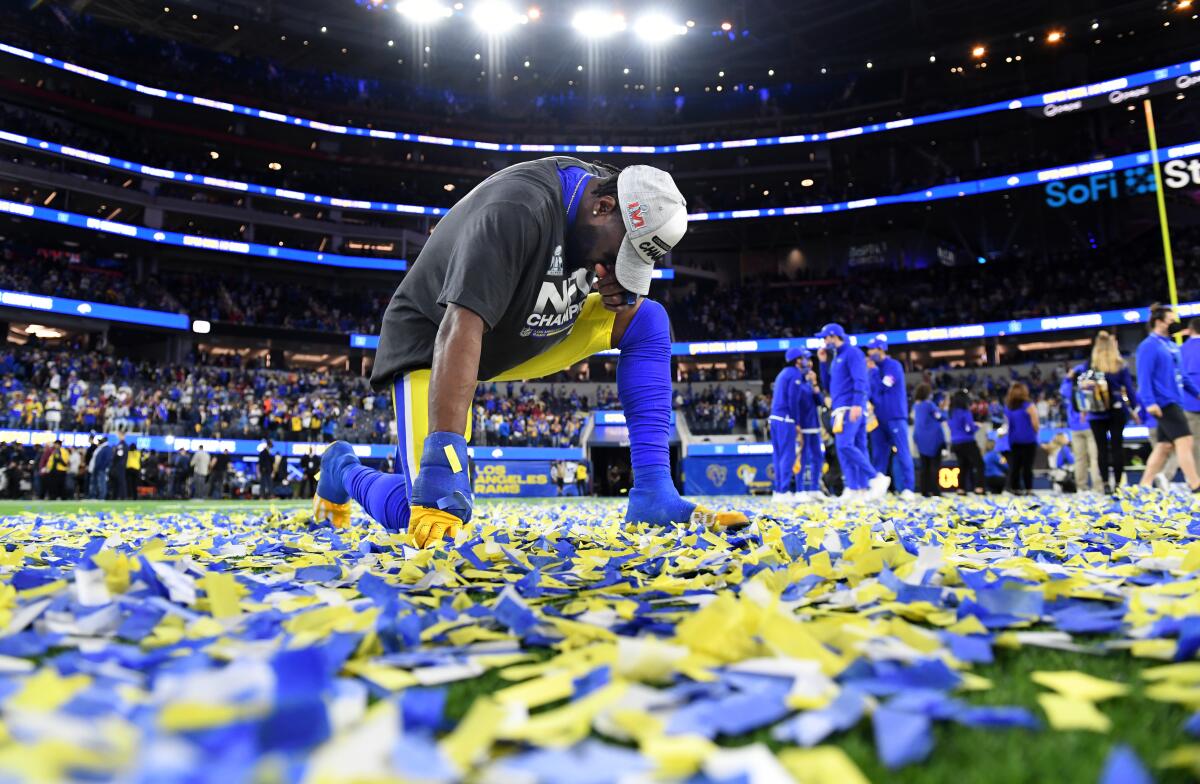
(443, 482)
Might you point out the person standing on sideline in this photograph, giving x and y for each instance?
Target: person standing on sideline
(102, 460)
(783, 425)
(844, 373)
(266, 471)
(217, 474)
(308, 472)
(1023, 426)
(962, 442)
(1190, 355)
(581, 478)
(1083, 440)
(56, 472)
(1107, 393)
(1161, 387)
(120, 454)
(180, 464)
(201, 464)
(806, 405)
(133, 472)
(930, 438)
(890, 399)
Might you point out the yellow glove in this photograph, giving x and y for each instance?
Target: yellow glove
(431, 526)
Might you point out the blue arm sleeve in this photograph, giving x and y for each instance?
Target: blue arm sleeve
(1130, 389)
(858, 376)
(1146, 360)
(1189, 386)
(874, 384)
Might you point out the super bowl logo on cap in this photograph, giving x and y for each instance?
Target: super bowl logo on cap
(637, 215)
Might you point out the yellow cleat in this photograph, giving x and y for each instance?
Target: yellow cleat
(431, 526)
(718, 520)
(326, 511)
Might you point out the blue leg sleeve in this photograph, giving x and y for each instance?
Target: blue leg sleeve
(644, 386)
(383, 496)
(903, 478)
(783, 445)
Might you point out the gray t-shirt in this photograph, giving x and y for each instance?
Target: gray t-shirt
(500, 253)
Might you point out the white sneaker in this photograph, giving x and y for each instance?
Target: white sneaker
(908, 495)
(781, 498)
(802, 497)
(878, 486)
(853, 496)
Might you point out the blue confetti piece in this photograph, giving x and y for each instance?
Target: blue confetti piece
(592, 681)
(1192, 725)
(422, 709)
(902, 738)
(319, 572)
(1124, 767)
(1009, 601)
(972, 648)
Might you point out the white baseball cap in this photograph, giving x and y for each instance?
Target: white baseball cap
(655, 215)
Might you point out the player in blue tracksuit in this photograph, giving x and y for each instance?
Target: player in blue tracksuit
(783, 425)
(1162, 386)
(844, 375)
(806, 404)
(886, 381)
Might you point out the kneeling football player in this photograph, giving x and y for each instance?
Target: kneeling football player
(503, 290)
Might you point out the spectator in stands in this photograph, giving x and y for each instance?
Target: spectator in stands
(962, 442)
(1023, 426)
(1107, 392)
(1061, 462)
(930, 439)
(1162, 387)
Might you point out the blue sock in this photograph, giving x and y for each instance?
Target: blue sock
(644, 386)
(383, 496)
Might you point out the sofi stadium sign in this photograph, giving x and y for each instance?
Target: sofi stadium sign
(1106, 186)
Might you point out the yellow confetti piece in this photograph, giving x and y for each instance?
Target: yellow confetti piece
(677, 756)
(47, 691)
(383, 675)
(537, 692)
(1183, 672)
(821, 765)
(1065, 713)
(223, 591)
(1079, 685)
(185, 716)
(1183, 757)
(475, 734)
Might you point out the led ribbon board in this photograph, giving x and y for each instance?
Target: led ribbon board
(93, 310)
(195, 241)
(1100, 171)
(1032, 326)
(1180, 72)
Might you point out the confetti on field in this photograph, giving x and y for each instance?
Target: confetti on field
(225, 646)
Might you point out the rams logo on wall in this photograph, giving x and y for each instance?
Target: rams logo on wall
(717, 473)
(746, 473)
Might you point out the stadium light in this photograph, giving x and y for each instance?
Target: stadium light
(594, 23)
(422, 11)
(496, 16)
(657, 28)
(979, 51)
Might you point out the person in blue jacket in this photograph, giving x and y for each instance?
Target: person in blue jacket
(888, 395)
(1105, 385)
(844, 375)
(930, 438)
(783, 424)
(962, 442)
(1083, 441)
(806, 404)
(995, 467)
(1023, 427)
(1161, 387)
(1189, 353)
